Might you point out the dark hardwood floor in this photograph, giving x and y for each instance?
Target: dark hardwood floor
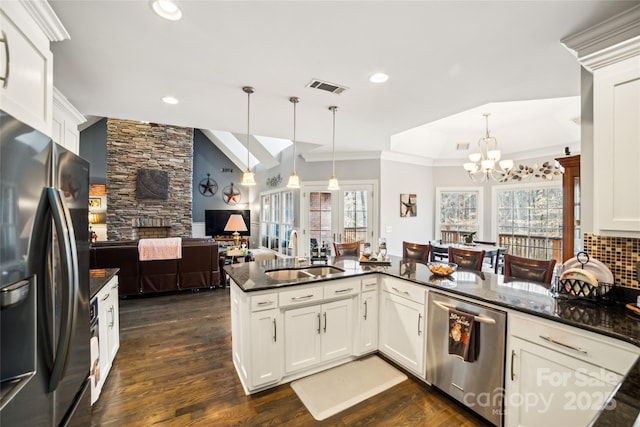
(174, 368)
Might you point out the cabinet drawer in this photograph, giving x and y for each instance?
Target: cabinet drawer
(341, 288)
(599, 350)
(298, 296)
(264, 301)
(404, 289)
(369, 284)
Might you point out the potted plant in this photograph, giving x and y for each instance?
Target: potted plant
(468, 238)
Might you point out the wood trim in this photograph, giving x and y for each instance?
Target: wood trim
(571, 166)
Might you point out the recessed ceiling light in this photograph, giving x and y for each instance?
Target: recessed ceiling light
(166, 9)
(378, 78)
(170, 100)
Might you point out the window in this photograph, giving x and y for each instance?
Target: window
(346, 215)
(276, 220)
(529, 220)
(355, 216)
(460, 212)
(319, 217)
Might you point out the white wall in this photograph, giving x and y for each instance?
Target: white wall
(398, 178)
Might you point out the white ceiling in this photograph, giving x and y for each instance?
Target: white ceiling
(448, 62)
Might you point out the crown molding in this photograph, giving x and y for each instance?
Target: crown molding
(62, 102)
(612, 40)
(47, 19)
(310, 157)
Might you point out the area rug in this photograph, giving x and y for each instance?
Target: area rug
(329, 392)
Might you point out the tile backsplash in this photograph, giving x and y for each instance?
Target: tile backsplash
(620, 254)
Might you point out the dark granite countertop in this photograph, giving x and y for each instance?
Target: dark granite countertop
(98, 278)
(608, 317)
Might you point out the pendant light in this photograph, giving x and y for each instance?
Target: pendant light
(333, 181)
(294, 180)
(248, 177)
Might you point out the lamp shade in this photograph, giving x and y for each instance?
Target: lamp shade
(94, 218)
(235, 223)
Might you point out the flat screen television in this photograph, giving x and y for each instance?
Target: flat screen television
(216, 219)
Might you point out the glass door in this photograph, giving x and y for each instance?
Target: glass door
(346, 215)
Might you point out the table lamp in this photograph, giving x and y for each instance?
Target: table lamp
(235, 224)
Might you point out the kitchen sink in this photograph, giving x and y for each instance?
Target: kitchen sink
(323, 270)
(288, 274)
(302, 273)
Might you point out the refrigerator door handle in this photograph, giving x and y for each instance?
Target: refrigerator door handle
(52, 207)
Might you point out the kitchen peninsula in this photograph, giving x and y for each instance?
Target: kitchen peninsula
(560, 337)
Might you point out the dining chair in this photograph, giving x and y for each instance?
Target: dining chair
(529, 269)
(416, 252)
(347, 248)
(438, 253)
(466, 259)
(493, 259)
(498, 267)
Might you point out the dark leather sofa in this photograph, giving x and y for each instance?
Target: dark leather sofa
(198, 268)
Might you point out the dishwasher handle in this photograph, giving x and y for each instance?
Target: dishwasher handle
(479, 318)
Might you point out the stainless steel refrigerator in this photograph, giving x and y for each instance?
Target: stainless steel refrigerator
(44, 281)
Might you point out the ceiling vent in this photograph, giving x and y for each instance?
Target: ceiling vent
(326, 86)
(462, 146)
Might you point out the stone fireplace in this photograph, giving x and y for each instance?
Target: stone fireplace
(135, 146)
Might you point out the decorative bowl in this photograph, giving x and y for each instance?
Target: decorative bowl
(442, 269)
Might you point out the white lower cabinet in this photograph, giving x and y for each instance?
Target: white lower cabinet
(279, 335)
(402, 324)
(266, 345)
(318, 333)
(368, 316)
(108, 328)
(558, 374)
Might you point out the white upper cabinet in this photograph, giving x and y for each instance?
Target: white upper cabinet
(65, 122)
(26, 61)
(616, 131)
(611, 51)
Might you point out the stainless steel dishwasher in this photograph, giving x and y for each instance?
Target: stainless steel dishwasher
(478, 383)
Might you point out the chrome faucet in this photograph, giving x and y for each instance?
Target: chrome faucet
(293, 234)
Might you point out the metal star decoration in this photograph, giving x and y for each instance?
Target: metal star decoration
(208, 187)
(231, 195)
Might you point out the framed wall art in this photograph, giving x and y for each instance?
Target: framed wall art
(95, 202)
(408, 205)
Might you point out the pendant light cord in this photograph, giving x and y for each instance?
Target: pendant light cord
(248, 90)
(295, 101)
(248, 116)
(333, 150)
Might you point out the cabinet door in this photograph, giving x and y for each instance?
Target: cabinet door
(28, 70)
(546, 387)
(66, 119)
(113, 325)
(616, 150)
(368, 339)
(402, 336)
(337, 329)
(266, 347)
(103, 331)
(302, 337)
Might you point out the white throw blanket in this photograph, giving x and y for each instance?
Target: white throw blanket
(156, 249)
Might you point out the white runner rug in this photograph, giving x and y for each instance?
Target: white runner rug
(329, 392)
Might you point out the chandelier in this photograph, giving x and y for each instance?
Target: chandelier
(486, 164)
